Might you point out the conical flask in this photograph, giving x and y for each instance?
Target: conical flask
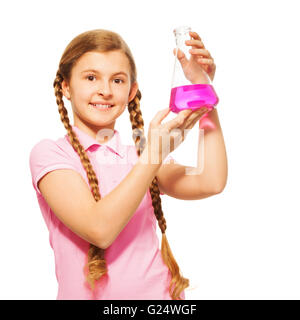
(186, 93)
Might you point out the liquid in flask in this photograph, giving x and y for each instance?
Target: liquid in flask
(186, 94)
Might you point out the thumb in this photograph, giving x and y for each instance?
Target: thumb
(181, 57)
(160, 115)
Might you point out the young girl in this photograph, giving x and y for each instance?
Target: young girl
(100, 198)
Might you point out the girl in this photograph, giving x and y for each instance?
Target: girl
(93, 191)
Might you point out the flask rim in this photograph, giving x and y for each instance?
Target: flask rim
(182, 30)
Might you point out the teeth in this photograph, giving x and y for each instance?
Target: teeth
(102, 105)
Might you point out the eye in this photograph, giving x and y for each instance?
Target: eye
(90, 76)
(119, 80)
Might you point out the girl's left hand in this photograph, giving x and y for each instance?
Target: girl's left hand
(200, 60)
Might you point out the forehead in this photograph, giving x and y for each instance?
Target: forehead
(104, 62)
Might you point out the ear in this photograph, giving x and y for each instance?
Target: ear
(65, 89)
(133, 91)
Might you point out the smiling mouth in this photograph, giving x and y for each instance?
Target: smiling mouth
(101, 107)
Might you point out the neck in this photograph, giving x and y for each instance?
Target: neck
(95, 131)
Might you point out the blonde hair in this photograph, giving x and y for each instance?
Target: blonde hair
(103, 41)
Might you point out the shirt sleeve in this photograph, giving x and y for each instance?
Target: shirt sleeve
(168, 158)
(47, 156)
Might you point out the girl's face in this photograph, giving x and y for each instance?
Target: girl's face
(99, 78)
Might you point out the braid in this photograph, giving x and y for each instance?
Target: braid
(96, 264)
(137, 124)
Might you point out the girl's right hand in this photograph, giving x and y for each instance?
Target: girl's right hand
(165, 138)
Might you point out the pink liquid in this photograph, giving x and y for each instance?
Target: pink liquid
(193, 97)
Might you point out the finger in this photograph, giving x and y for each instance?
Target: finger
(181, 57)
(180, 53)
(185, 112)
(203, 52)
(195, 43)
(200, 115)
(195, 35)
(205, 61)
(193, 117)
(160, 115)
(178, 120)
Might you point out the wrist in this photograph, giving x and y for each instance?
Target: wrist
(200, 81)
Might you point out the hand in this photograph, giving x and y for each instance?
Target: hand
(200, 60)
(165, 138)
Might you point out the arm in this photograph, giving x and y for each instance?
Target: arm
(100, 222)
(120, 204)
(211, 174)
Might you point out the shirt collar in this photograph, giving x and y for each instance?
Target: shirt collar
(114, 144)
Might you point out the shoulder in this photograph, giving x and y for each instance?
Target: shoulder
(42, 147)
(48, 152)
(43, 144)
(48, 155)
(46, 148)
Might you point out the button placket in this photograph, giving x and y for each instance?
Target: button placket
(105, 151)
(101, 155)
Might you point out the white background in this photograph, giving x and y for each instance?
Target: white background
(240, 244)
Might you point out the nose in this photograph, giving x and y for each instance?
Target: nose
(104, 89)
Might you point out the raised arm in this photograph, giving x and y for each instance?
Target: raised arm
(210, 176)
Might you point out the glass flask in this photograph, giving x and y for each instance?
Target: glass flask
(184, 94)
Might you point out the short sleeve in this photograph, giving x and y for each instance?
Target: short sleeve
(47, 156)
(168, 158)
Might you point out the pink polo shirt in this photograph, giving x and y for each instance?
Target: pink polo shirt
(135, 267)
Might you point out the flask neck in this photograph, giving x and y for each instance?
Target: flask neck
(179, 78)
(181, 35)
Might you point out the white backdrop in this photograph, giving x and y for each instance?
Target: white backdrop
(240, 244)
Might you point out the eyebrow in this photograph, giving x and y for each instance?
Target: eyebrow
(95, 71)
